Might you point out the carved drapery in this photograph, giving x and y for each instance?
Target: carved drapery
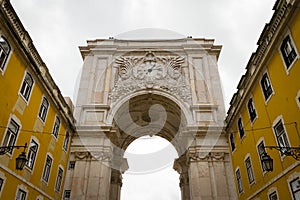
(205, 156)
(150, 71)
(81, 155)
(94, 156)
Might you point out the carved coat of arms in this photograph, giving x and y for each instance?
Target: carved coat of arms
(164, 73)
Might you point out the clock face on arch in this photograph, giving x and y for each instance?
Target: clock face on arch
(149, 69)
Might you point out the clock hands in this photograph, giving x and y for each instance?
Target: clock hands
(154, 67)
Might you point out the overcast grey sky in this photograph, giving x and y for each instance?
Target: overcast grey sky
(58, 27)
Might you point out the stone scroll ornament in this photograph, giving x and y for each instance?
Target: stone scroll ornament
(150, 72)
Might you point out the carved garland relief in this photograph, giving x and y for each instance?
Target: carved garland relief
(150, 71)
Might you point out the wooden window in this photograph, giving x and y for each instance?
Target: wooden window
(232, 144)
(249, 170)
(26, 86)
(21, 195)
(11, 134)
(266, 86)
(241, 128)
(47, 169)
(273, 196)
(4, 52)
(59, 179)
(66, 141)
(71, 165)
(295, 188)
(251, 109)
(239, 180)
(56, 127)
(43, 109)
(261, 151)
(281, 136)
(67, 194)
(288, 51)
(33, 148)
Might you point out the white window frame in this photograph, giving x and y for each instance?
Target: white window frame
(232, 141)
(262, 86)
(297, 191)
(298, 99)
(1, 183)
(253, 109)
(66, 141)
(47, 169)
(270, 196)
(2, 176)
(23, 189)
(7, 55)
(56, 127)
(275, 123)
(30, 88)
(294, 176)
(238, 126)
(59, 179)
(260, 153)
(15, 134)
(238, 177)
(288, 68)
(43, 110)
(249, 169)
(29, 154)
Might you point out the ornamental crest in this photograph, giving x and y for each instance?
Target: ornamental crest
(150, 71)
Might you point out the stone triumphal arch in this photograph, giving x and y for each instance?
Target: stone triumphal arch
(132, 88)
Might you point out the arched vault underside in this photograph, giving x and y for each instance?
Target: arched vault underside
(150, 114)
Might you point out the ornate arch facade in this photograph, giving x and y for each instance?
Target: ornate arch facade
(132, 88)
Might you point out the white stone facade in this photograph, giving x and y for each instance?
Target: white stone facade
(132, 88)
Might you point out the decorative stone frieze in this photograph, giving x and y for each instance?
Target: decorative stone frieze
(206, 156)
(155, 72)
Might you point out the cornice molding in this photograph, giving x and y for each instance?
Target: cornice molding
(266, 42)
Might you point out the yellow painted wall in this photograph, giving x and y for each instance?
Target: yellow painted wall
(282, 103)
(11, 81)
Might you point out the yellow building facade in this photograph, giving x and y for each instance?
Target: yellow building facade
(265, 111)
(32, 112)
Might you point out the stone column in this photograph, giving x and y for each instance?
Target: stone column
(200, 178)
(91, 178)
(115, 185)
(208, 177)
(82, 166)
(181, 166)
(119, 165)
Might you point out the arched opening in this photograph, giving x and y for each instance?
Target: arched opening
(152, 125)
(156, 183)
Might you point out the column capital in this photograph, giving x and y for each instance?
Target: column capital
(181, 164)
